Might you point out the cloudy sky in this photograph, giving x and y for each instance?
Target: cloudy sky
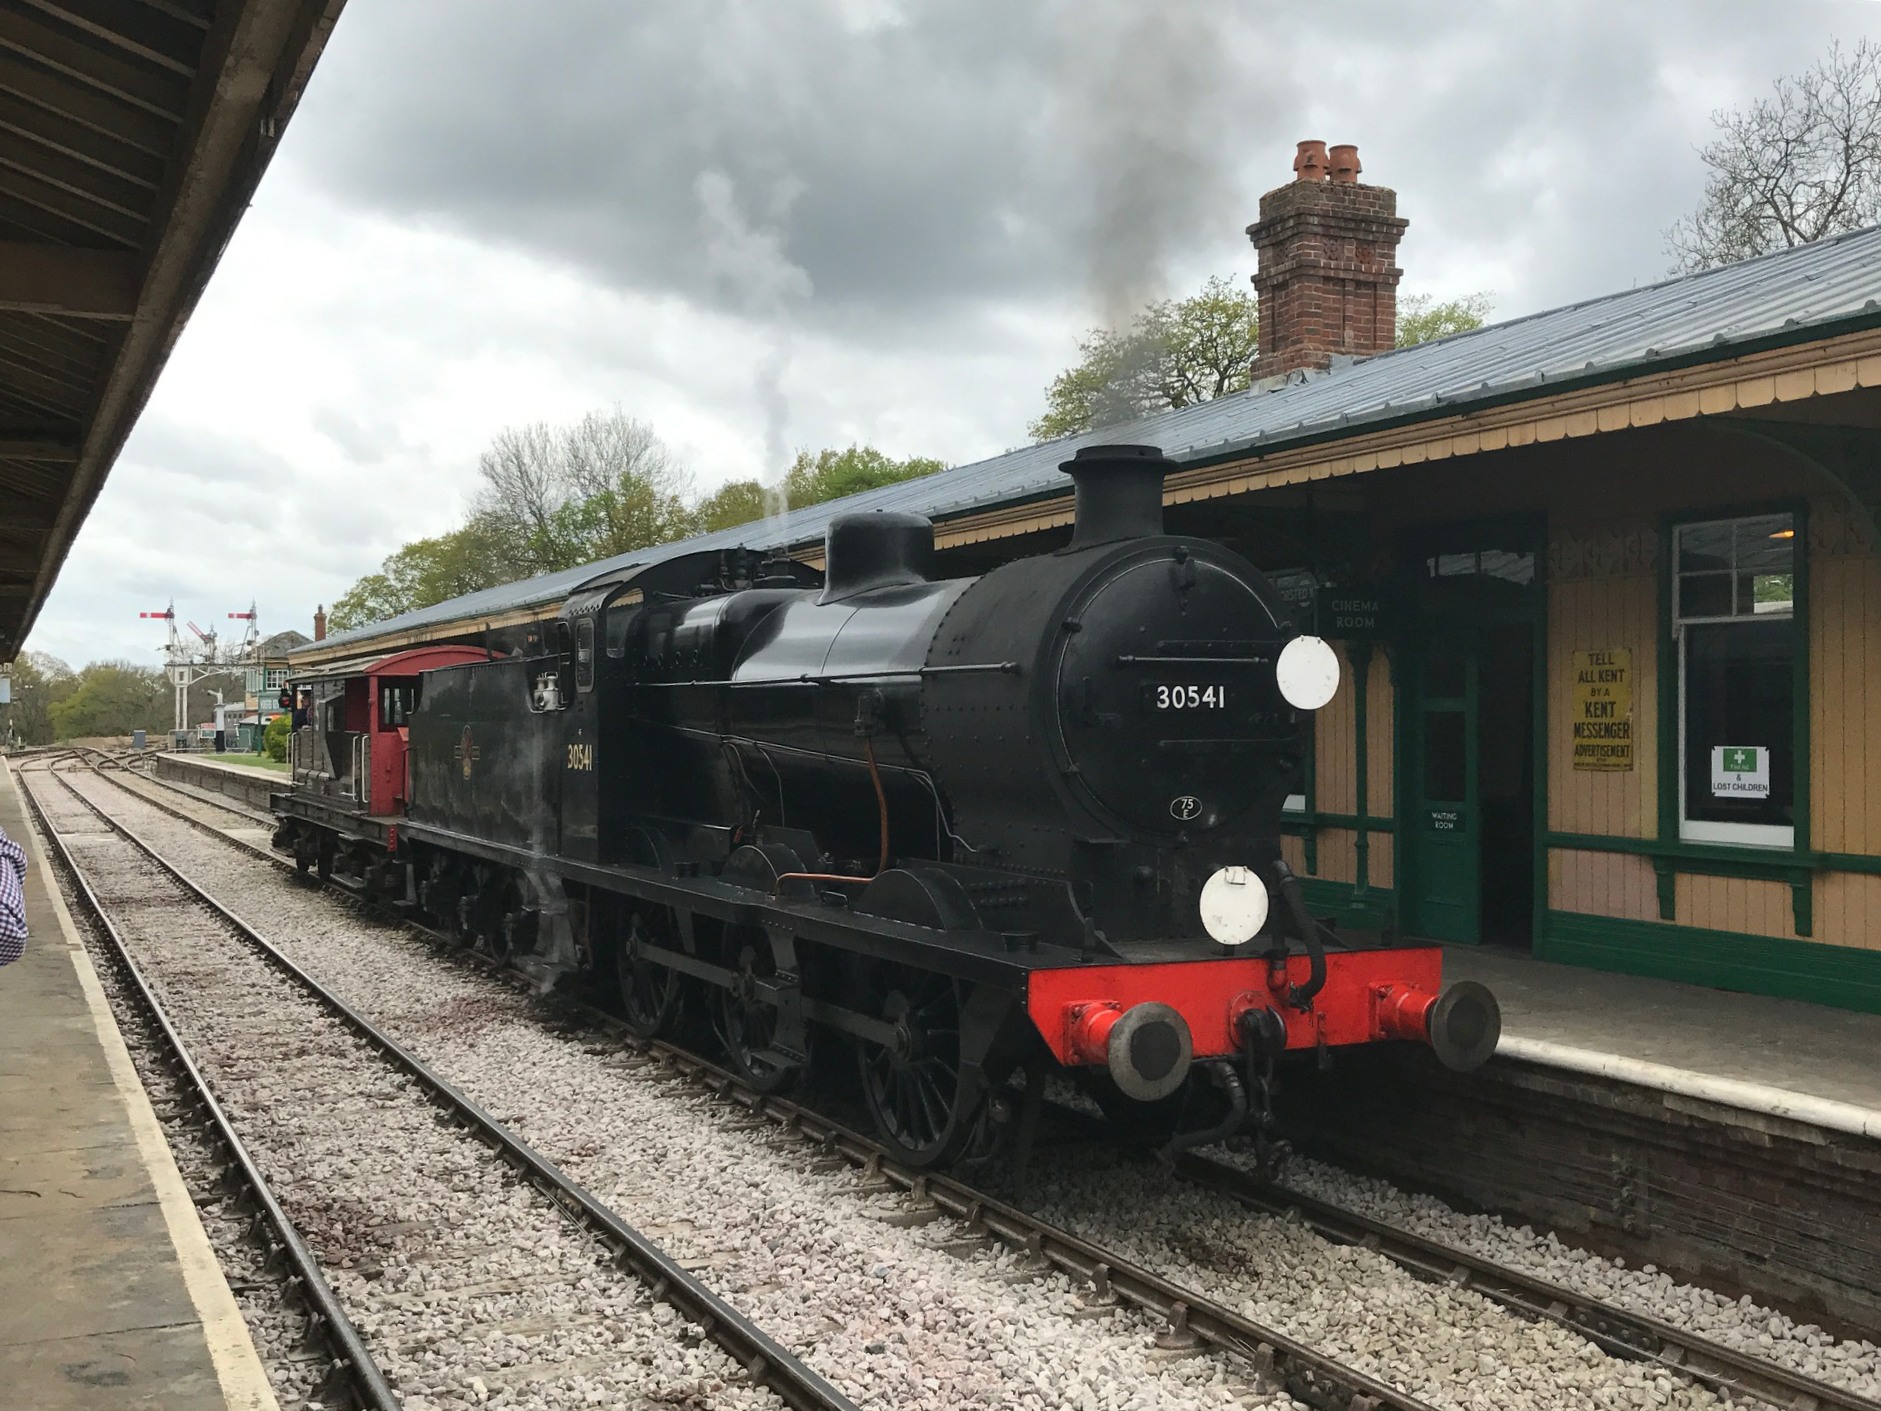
(762, 225)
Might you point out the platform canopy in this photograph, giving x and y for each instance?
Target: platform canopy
(132, 135)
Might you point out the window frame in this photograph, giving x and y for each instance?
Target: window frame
(1674, 826)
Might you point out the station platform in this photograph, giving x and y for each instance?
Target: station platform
(110, 1294)
(1780, 1057)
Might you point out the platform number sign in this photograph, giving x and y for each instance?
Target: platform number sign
(1740, 772)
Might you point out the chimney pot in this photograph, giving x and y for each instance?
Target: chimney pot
(320, 623)
(1309, 162)
(1328, 274)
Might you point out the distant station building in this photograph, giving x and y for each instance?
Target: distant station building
(1604, 582)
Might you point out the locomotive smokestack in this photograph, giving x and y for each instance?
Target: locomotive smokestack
(1120, 493)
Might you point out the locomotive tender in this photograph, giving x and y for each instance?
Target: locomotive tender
(968, 827)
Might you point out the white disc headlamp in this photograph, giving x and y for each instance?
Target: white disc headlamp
(1234, 906)
(1307, 672)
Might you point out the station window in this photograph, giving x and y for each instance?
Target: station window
(1735, 620)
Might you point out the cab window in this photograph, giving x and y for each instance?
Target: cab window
(584, 654)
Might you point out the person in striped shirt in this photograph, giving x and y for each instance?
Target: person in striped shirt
(12, 900)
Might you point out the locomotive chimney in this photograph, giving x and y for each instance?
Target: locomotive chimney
(879, 550)
(1120, 493)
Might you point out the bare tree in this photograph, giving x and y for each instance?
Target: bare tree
(557, 497)
(1791, 168)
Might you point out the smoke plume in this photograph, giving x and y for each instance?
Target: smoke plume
(747, 257)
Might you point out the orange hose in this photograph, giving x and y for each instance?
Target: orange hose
(881, 801)
(881, 866)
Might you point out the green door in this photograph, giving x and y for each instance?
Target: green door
(1441, 883)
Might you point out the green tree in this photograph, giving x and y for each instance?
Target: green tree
(1177, 352)
(428, 571)
(1791, 168)
(274, 738)
(833, 474)
(1421, 318)
(813, 478)
(732, 504)
(40, 682)
(114, 698)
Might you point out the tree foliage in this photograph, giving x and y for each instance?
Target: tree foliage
(114, 698)
(1421, 318)
(427, 571)
(832, 474)
(274, 739)
(40, 682)
(1794, 167)
(558, 497)
(1177, 352)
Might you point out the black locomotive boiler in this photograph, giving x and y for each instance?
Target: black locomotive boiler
(967, 828)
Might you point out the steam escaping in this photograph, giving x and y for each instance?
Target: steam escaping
(748, 258)
(1139, 91)
(1138, 98)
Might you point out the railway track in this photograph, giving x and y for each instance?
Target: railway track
(1191, 1318)
(763, 1362)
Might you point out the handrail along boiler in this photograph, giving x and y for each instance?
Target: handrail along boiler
(969, 827)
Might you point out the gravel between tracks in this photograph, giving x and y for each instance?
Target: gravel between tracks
(724, 1196)
(470, 1287)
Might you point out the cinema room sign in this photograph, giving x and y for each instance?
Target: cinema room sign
(1602, 709)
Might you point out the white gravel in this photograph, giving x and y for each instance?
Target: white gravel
(886, 1312)
(470, 1287)
(789, 1244)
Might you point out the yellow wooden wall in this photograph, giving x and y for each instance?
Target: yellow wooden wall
(1335, 779)
(1603, 592)
(1845, 689)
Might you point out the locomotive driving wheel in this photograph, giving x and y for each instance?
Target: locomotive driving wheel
(912, 1086)
(649, 992)
(746, 1022)
(925, 1103)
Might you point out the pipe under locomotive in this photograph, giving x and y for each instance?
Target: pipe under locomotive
(972, 828)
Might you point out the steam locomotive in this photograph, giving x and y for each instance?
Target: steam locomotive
(974, 831)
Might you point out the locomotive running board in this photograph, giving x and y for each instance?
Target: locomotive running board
(978, 955)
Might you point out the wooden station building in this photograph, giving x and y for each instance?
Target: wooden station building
(1606, 582)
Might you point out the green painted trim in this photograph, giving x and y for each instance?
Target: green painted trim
(1377, 910)
(1671, 687)
(1361, 653)
(1538, 760)
(1800, 614)
(1727, 861)
(1841, 976)
(1666, 684)
(1849, 862)
(1299, 822)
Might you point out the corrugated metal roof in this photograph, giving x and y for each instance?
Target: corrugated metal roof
(1809, 291)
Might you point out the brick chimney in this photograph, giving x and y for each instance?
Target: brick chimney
(320, 623)
(1328, 280)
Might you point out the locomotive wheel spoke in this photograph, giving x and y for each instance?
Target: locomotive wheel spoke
(912, 1090)
(649, 993)
(746, 1026)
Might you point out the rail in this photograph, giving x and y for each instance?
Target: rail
(351, 1359)
(764, 1360)
(1616, 1330)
